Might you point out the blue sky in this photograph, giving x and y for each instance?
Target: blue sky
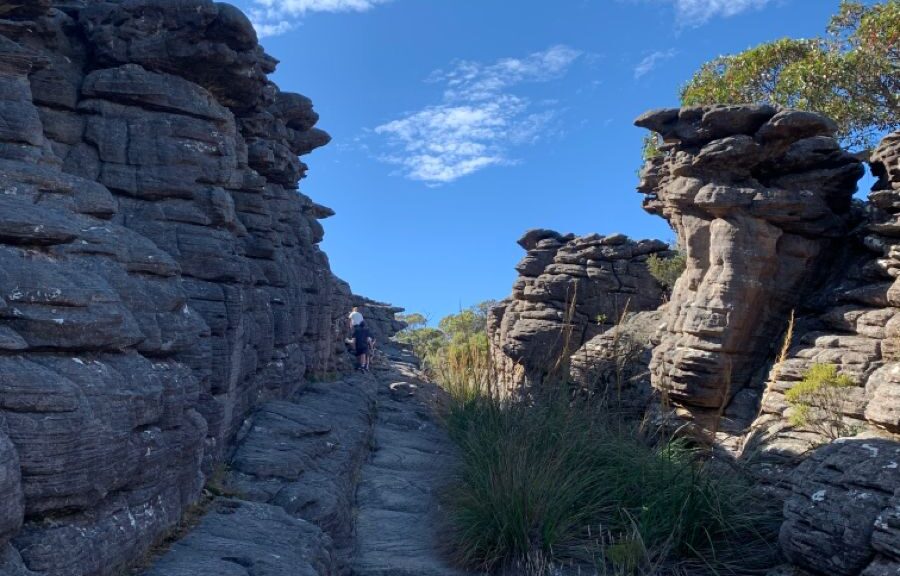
(459, 124)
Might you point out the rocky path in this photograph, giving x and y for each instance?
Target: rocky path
(398, 520)
(342, 480)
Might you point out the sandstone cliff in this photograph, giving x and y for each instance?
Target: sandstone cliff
(570, 289)
(159, 271)
(762, 202)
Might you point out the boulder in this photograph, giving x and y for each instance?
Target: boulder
(842, 494)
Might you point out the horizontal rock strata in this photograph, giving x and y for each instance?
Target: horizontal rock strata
(569, 289)
(160, 274)
(758, 198)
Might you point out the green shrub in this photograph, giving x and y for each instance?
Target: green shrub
(559, 479)
(819, 400)
(666, 271)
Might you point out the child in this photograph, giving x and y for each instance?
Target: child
(362, 340)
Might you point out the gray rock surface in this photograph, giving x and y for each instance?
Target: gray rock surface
(288, 490)
(615, 366)
(304, 455)
(842, 516)
(237, 538)
(12, 507)
(342, 478)
(398, 521)
(569, 290)
(160, 273)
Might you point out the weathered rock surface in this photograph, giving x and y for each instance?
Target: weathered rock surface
(615, 365)
(761, 200)
(851, 322)
(842, 516)
(289, 487)
(340, 479)
(569, 290)
(237, 538)
(758, 198)
(160, 274)
(304, 455)
(398, 521)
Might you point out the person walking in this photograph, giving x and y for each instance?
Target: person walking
(362, 342)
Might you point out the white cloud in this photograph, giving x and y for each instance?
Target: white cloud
(478, 120)
(698, 12)
(476, 81)
(274, 17)
(265, 29)
(651, 61)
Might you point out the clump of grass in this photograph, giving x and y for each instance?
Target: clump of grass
(561, 479)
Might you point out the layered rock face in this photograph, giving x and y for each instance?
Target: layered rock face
(614, 365)
(852, 322)
(380, 318)
(761, 201)
(841, 502)
(159, 272)
(570, 289)
(757, 198)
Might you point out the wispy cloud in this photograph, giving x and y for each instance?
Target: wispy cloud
(694, 13)
(274, 17)
(479, 119)
(653, 60)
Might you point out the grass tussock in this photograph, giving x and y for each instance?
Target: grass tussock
(560, 481)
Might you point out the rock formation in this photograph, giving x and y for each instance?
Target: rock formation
(569, 290)
(758, 199)
(381, 318)
(761, 200)
(840, 511)
(165, 308)
(614, 365)
(159, 271)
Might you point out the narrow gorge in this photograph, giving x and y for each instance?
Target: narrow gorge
(176, 395)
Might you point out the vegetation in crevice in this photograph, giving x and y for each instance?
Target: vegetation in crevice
(666, 271)
(819, 401)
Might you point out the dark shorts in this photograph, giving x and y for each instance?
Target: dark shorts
(361, 351)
